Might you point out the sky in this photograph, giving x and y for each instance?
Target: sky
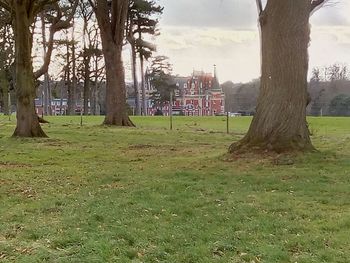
(196, 34)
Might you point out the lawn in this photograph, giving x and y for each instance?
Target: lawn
(148, 194)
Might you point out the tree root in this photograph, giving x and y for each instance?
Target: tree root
(123, 122)
(42, 120)
(263, 147)
(33, 133)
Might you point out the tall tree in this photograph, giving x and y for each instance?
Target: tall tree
(72, 91)
(280, 120)
(6, 59)
(59, 16)
(90, 68)
(161, 80)
(112, 17)
(86, 14)
(132, 41)
(70, 74)
(142, 20)
(23, 14)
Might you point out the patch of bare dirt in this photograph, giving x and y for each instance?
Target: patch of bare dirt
(262, 157)
(140, 146)
(7, 165)
(27, 192)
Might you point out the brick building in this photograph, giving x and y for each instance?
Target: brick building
(199, 95)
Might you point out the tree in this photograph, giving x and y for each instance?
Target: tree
(58, 16)
(132, 41)
(340, 106)
(316, 75)
(161, 80)
(111, 18)
(280, 121)
(6, 59)
(90, 69)
(24, 13)
(145, 52)
(141, 21)
(46, 85)
(70, 78)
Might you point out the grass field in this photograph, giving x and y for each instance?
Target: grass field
(147, 194)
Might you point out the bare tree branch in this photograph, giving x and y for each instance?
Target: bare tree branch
(39, 5)
(119, 12)
(57, 25)
(4, 4)
(259, 6)
(316, 4)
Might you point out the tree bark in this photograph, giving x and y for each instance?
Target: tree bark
(86, 91)
(143, 87)
(111, 20)
(280, 121)
(70, 88)
(95, 92)
(46, 85)
(116, 110)
(73, 91)
(134, 77)
(4, 89)
(27, 119)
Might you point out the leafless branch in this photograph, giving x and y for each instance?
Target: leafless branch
(4, 4)
(259, 6)
(316, 4)
(57, 24)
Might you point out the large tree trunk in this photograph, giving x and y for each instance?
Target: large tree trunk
(143, 87)
(116, 110)
(134, 77)
(27, 119)
(111, 20)
(280, 120)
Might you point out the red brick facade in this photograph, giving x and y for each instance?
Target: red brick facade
(199, 95)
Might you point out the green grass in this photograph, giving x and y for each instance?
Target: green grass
(147, 194)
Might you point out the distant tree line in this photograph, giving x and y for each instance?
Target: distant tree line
(328, 87)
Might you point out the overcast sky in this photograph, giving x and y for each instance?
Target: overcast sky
(197, 34)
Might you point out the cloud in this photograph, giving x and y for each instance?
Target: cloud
(329, 44)
(199, 48)
(337, 34)
(187, 37)
(332, 14)
(199, 33)
(238, 14)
